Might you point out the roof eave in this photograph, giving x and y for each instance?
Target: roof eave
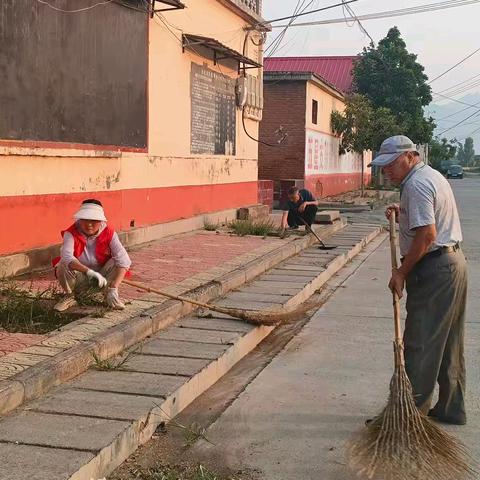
(305, 77)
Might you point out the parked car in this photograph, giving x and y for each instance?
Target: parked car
(444, 166)
(455, 171)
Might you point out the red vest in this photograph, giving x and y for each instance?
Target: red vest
(102, 248)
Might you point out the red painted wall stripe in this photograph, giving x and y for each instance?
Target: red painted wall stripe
(35, 221)
(335, 183)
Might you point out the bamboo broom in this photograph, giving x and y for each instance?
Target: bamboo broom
(255, 317)
(402, 443)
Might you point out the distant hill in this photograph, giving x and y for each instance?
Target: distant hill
(455, 113)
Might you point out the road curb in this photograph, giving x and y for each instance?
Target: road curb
(38, 379)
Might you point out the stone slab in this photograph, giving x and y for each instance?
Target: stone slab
(247, 297)
(297, 268)
(272, 285)
(8, 369)
(27, 462)
(81, 433)
(253, 212)
(183, 349)
(241, 304)
(129, 382)
(41, 350)
(21, 358)
(165, 365)
(199, 336)
(269, 287)
(70, 401)
(316, 261)
(304, 274)
(226, 325)
(327, 216)
(288, 278)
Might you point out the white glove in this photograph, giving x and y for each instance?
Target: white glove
(98, 277)
(113, 300)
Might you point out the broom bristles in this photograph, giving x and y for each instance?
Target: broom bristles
(264, 317)
(403, 444)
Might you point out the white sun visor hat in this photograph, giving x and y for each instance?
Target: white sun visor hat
(90, 211)
(392, 148)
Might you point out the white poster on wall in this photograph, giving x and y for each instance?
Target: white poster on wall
(322, 157)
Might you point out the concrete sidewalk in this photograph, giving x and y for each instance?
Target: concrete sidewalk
(293, 420)
(90, 425)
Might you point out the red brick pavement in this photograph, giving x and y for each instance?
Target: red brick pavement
(162, 263)
(13, 342)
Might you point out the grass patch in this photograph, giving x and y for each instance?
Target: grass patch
(111, 364)
(90, 297)
(26, 310)
(167, 472)
(261, 228)
(210, 226)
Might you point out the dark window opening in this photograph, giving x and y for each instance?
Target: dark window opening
(314, 112)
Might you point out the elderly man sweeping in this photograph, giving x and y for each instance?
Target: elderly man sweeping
(434, 272)
(91, 254)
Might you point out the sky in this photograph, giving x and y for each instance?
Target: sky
(440, 39)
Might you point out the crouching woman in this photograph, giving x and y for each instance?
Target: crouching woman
(91, 254)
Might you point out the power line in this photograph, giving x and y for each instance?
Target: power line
(456, 101)
(450, 121)
(455, 66)
(362, 28)
(470, 134)
(460, 122)
(460, 83)
(275, 45)
(390, 13)
(465, 88)
(306, 13)
(459, 111)
(78, 10)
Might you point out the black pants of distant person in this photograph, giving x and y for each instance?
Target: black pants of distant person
(294, 218)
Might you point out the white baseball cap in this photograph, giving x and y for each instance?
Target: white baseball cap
(392, 148)
(90, 211)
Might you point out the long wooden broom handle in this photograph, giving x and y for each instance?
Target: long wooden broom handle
(396, 300)
(168, 295)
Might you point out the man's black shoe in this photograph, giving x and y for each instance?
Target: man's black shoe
(449, 420)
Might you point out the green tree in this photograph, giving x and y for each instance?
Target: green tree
(362, 126)
(460, 158)
(465, 152)
(469, 152)
(390, 77)
(441, 152)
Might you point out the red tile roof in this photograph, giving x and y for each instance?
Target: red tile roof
(335, 70)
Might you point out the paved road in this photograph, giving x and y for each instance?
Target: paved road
(293, 420)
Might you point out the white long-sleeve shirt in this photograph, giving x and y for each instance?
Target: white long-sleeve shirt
(88, 257)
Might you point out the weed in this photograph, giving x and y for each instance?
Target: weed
(210, 226)
(192, 434)
(90, 296)
(110, 364)
(167, 472)
(260, 228)
(26, 310)
(100, 313)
